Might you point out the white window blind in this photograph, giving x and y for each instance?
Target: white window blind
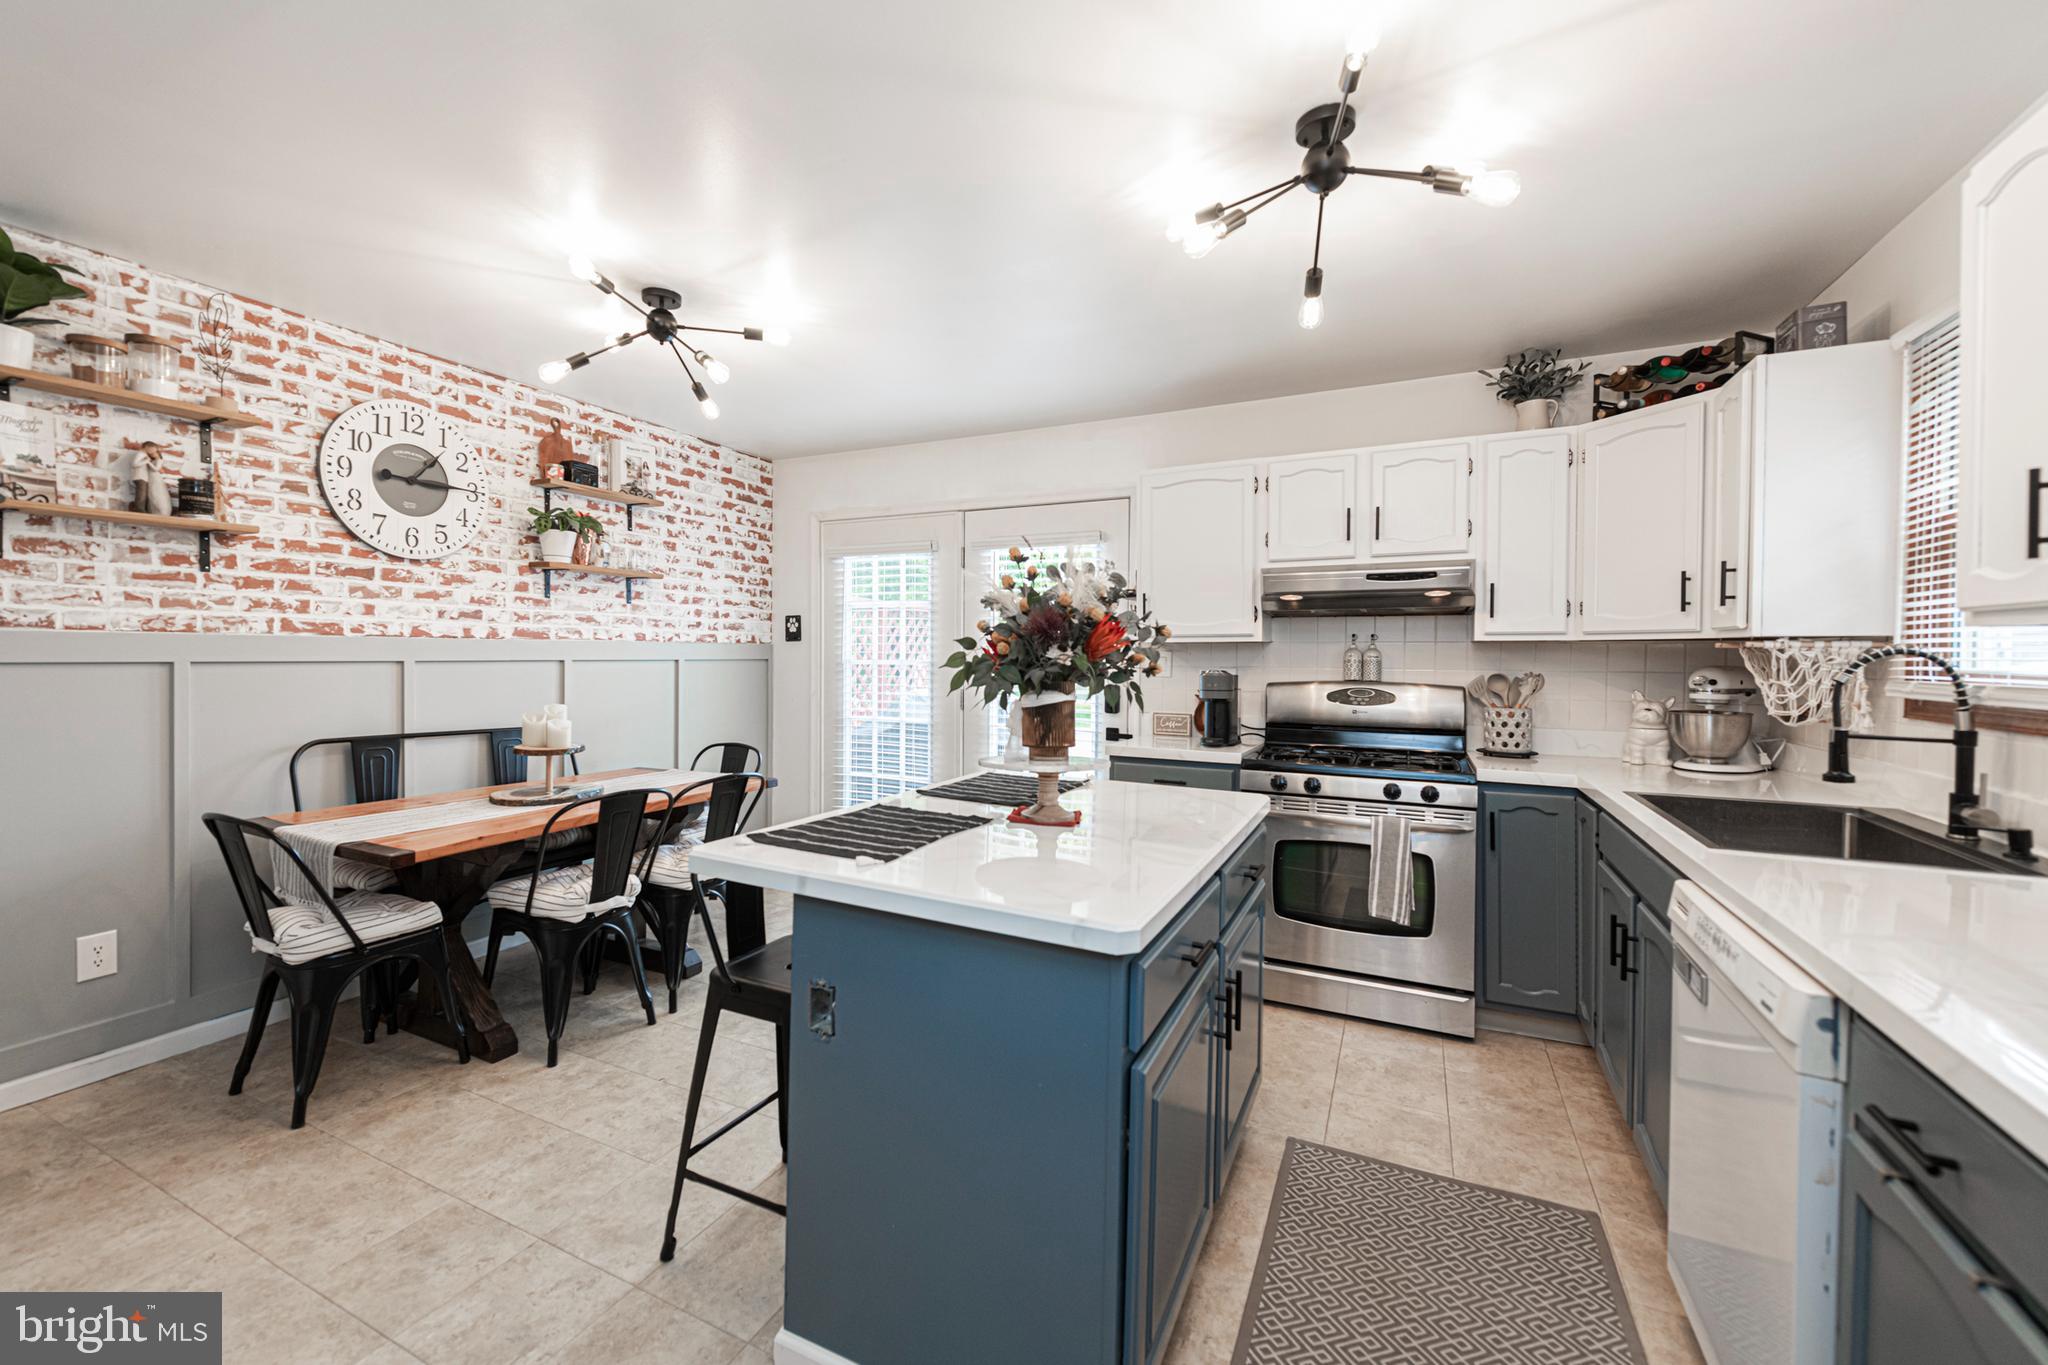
(2009, 656)
(881, 675)
(993, 561)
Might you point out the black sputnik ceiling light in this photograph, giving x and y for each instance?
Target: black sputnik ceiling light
(663, 329)
(1325, 167)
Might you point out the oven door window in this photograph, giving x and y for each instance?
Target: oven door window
(1325, 883)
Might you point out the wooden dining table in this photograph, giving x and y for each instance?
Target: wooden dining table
(455, 865)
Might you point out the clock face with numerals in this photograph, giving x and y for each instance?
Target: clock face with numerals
(403, 478)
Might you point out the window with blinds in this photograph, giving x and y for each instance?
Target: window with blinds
(2008, 656)
(990, 730)
(881, 675)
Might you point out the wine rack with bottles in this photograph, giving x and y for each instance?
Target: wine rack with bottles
(1661, 378)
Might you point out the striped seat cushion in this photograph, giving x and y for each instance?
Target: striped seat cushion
(350, 875)
(563, 893)
(304, 932)
(672, 865)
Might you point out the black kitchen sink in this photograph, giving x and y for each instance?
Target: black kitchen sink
(1800, 830)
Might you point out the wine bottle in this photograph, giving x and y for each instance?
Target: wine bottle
(1626, 381)
(1704, 359)
(1660, 396)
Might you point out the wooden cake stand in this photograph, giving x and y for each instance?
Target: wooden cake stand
(550, 793)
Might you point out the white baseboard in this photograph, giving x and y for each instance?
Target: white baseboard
(83, 1072)
(791, 1349)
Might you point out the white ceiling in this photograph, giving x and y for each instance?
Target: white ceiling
(958, 207)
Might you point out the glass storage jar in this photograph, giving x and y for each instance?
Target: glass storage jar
(152, 365)
(99, 360)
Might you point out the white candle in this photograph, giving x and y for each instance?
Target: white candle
(558, 734)
(533, 731)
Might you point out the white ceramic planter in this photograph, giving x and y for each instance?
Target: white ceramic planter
(558, 547)
(17, 346)
(1535, 414)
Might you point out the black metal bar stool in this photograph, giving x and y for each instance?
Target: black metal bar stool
(753, 981)
(668, 892)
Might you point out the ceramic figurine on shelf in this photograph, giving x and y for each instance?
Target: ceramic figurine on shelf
(152, 480)
(1647, 742)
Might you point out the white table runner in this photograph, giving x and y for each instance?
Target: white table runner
(317, 841)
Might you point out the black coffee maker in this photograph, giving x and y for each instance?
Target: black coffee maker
(1216, 708)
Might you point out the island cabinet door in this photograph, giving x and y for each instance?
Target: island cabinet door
(1244, 1000)
(1173, 1158)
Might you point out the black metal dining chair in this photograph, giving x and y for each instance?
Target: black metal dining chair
(668, 891)
(317, 949)
(561, 909)
(754, 981)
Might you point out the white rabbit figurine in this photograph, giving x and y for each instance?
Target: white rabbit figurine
(1648, 742)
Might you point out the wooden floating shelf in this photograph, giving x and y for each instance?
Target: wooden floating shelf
(206, 528)
(65, 386)
(548, 568)
(601, 494)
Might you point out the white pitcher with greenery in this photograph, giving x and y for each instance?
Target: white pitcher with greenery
(1536, 383)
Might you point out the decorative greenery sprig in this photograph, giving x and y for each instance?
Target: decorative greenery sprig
(1053, 626)
(560, 519)
(1536, 373)
(27, 283)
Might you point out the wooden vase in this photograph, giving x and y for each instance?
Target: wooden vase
(1048, 731)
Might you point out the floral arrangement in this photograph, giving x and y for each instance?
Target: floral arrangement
(1058, 628)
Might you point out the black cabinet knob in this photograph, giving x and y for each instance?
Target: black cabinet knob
(1430, 793)
(1312, 785)
(1392, 791)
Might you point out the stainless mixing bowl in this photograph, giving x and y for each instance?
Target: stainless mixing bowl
(1709, 734)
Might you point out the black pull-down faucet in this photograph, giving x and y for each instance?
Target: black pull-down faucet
(1967, 818)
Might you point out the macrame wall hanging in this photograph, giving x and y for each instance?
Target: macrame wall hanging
(1795, 679)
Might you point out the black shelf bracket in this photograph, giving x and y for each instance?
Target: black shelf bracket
(205, 551)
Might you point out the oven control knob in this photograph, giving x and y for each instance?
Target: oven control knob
(1392, 791)
(1430, 793)
(1312, 785)
(1278, 784)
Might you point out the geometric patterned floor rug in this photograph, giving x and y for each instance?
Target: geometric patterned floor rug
(1366, 1262)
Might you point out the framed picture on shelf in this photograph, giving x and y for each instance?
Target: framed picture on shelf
(631, 462)
(28, 452)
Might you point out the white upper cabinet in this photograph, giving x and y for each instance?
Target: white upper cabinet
(1199, 551)
(1420, 499)
(1525, 519)
(2002, 530)
(1309, 508)
(1731, 411)
(1641, 478)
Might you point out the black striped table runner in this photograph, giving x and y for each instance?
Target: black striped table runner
(883, 833)
(995, 789)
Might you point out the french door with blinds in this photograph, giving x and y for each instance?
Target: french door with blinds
(896, 593)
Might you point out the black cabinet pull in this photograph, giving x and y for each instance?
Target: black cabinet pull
(1201, 951)
(1628, 963)
(1900, 1133)
(1726, 596)
(1347, 523)
(1375, 523)
(1684, 590)
(2036, 486)
(1613, 941)
(1169, 782)
(1493, 831)
(1237, 1000)
(1489, 601)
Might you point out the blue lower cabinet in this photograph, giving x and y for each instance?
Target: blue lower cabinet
(1529, 894)
(1243, 1002)
(1614, 912)
(1175, 1155)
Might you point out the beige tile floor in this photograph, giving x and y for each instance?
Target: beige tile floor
(486, 1213)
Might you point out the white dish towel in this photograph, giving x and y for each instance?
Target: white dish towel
(1393, 875)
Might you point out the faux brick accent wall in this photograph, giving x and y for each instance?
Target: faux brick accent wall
(304, 573)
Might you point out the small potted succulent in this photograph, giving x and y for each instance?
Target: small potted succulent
(558, 532)
(26, 284)
(1535, 382)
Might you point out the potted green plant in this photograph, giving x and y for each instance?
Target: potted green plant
(1535, 383)
(557, 531)
(26, 284)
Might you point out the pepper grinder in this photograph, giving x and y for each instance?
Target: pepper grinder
(1374, 661)
(1354, 661)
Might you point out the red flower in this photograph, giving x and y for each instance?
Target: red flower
(1106, 638)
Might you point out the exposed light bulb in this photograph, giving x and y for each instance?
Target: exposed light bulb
(1201, 239)
(582, 269)
(705, 400)
(554, 371)
(1311, 315)
(1364, 40)
(1179, 226)
(775, 336)
(717, 370)
(1495, 189)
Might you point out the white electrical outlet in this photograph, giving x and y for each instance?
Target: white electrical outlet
(98, 955)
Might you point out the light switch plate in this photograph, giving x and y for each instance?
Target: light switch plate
(98, 955)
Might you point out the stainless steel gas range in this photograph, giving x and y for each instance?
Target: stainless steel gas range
(1335, 755)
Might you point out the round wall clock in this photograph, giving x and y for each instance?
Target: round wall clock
(403, 478)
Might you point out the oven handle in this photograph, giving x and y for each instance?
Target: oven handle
(1419, 831)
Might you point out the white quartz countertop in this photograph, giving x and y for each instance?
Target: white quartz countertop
(1952, 966)
(1108, 885)
(1168, 749)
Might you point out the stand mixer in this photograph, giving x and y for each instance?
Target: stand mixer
(1713, 731)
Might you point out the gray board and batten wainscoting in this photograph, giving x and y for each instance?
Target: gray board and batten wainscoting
(117, 742)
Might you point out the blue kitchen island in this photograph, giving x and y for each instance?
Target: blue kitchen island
(1021, 1063)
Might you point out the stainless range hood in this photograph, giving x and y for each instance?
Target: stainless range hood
(1425, 590)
